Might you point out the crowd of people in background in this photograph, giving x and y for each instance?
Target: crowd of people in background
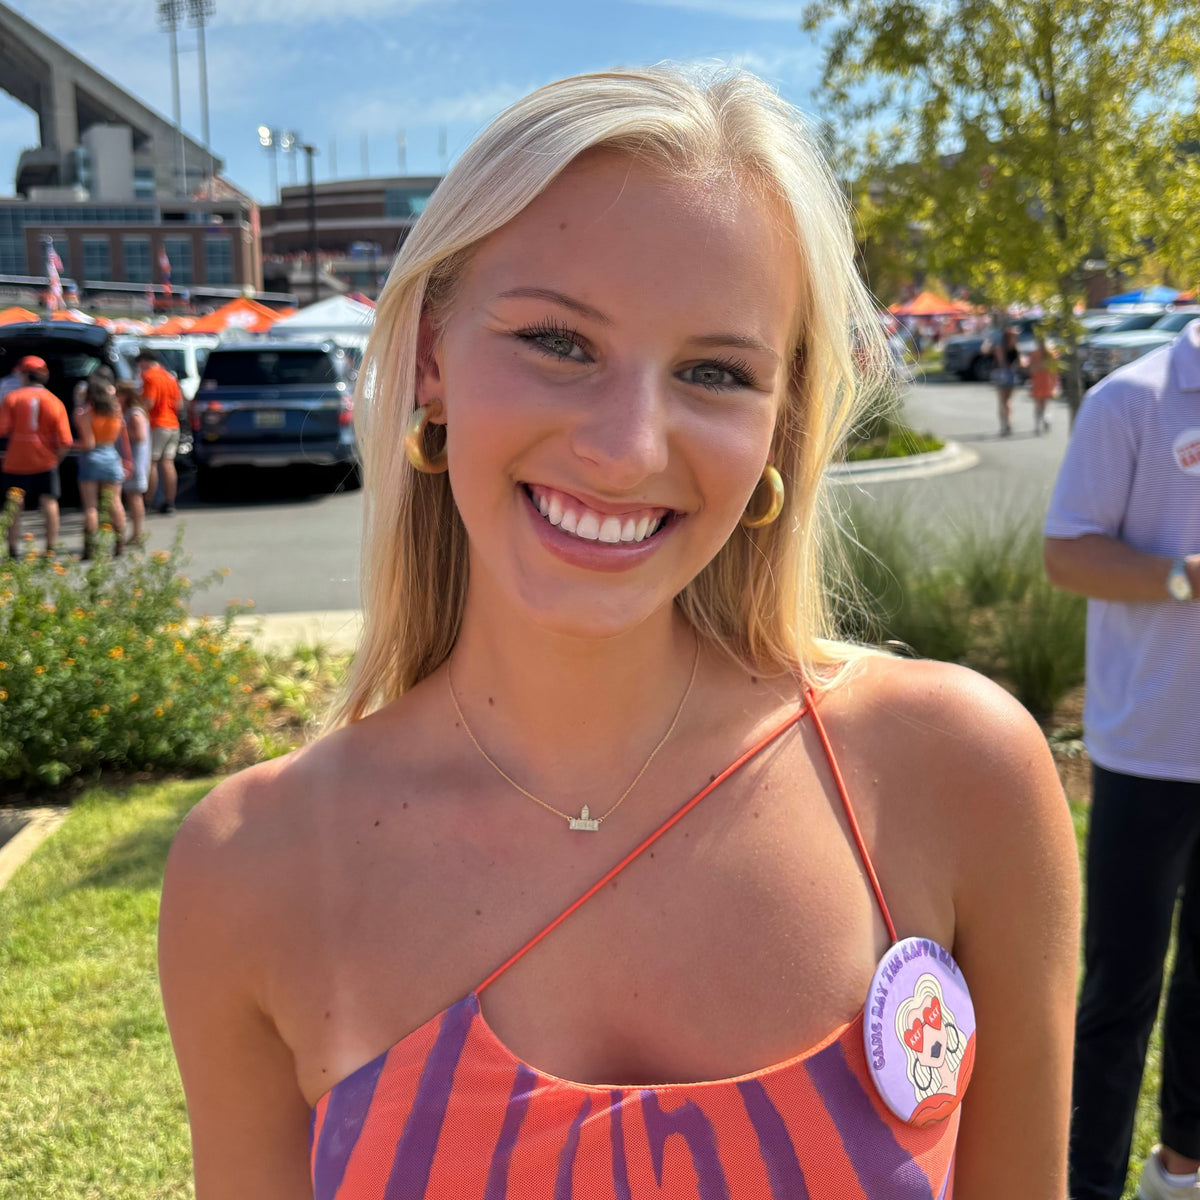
(127, 436)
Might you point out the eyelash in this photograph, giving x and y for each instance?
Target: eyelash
(743, 374)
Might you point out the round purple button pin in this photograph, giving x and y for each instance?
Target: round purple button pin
(919, 1031)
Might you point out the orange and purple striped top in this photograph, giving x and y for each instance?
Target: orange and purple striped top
(449, 1113)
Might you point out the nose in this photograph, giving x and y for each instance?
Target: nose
(623, 430)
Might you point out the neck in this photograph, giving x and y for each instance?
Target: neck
(572, 719)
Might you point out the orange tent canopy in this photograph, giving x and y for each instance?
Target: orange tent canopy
(174, 325)
(238, 314)
(10, 316)
(1187, 297)
(928, 305)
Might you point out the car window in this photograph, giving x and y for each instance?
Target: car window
(1135, 321)
(174, 360)
(268, 368)
(1174, 322)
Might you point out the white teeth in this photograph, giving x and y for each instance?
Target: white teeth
(610, 530)
(594, 527)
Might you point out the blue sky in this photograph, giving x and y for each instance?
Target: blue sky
(355, 68)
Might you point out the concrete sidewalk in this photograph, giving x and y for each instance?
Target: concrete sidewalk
(336, 630)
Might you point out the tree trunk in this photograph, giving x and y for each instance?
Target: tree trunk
(1072, 380)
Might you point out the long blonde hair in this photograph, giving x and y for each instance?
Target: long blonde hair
(762, 598)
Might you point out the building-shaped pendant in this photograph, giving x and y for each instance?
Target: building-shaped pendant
(583, 822)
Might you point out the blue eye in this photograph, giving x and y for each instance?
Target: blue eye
(717, 376)
(555, 341)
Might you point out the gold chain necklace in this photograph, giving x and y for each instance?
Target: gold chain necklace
(585, 822)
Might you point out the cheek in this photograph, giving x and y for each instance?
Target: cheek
(731, 452)
(488, 411)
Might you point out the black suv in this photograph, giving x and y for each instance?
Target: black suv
(276, 404)
(71, 352)
(963, 355)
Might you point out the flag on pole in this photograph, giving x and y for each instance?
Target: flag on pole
(54, 271)
(164, 266)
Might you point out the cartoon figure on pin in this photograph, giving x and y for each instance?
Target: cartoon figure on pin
(919, 1032)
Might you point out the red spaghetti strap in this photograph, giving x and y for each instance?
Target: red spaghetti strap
(716, 783)
(851, 818)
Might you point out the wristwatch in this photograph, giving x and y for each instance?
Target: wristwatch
(1179, 586)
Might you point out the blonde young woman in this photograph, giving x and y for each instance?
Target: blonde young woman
(584, 894)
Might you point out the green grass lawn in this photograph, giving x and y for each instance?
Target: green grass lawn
(90, 1101)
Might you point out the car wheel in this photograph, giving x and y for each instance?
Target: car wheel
(210, 484)
(981, 370)
(347, 477)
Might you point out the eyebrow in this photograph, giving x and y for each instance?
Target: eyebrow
(741, 340)
(735, 339)
(538, 293)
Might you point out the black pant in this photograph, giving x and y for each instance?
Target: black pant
(1143, 847)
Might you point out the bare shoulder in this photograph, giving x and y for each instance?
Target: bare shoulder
(965, 782)
(264, 833)
(971, 745)
(248, 869)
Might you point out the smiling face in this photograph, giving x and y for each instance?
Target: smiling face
(610, 372)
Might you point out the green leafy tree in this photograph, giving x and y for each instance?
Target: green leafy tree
(1030, 142)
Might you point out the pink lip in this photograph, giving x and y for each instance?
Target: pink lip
(592, 556)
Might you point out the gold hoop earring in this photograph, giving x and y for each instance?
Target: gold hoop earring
(772, 478)
(414, 444)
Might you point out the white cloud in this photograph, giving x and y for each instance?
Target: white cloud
(67, 20)
(381, 115)
(748, 10)
(785, 64)
(314, 12)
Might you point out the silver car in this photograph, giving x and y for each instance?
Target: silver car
(1108, 351)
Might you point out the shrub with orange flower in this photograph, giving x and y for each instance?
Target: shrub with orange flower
(102, 668)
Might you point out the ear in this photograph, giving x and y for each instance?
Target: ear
(430, 392)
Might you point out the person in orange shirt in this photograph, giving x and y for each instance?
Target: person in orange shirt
(1043, 383)
(39, 435)
(161, 396)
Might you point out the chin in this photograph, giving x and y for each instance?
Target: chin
(579, 613)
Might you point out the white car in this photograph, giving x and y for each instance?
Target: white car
(183, 356)
(1108, 351)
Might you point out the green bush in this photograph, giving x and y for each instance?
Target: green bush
(1041, 642)
(998, 559)
(975, 594)
(900, 591)
(100, 666)
(892, 439)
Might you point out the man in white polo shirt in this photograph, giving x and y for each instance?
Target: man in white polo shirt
(1124, 530)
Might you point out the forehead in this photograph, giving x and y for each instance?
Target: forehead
(625, 235)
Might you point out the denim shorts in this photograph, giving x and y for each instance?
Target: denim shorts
(102, 465)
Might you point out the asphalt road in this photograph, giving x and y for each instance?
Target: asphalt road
(1014, 476)
(292, 551)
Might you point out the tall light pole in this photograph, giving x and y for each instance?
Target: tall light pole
(268, 139)
(287, 143)
(170, 13)
(199, 13)
(310, 150)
